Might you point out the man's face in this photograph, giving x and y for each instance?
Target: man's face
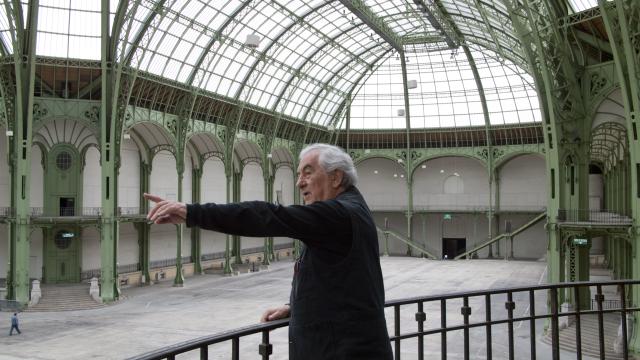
(314, 183)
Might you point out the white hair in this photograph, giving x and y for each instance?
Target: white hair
(334, 158)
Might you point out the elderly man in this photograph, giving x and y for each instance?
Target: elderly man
(337, 298)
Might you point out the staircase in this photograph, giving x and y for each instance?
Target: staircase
(64, 297)
(589, 323)
(589, 332)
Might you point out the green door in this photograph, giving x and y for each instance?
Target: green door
(62, 256)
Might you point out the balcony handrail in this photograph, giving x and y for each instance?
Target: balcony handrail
(553, 314)
(90, 211)
(592, 216)
(234, 335)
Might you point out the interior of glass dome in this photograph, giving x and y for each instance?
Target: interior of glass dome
(312, 58)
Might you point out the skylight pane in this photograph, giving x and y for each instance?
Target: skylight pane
(581, 5)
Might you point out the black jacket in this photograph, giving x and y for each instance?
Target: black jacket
(337, 295)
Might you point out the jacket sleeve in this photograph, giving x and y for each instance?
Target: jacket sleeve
(314, 222)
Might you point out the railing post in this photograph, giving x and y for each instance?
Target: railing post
(265, 349)
(532, 323)
(623, 302)
(487, 306)
(510, 305)
(599, 299)
(235, 348)
(420, 318)
(466, 312)
(555, 336)
(396, 329)
(576, 294)
(443, 326)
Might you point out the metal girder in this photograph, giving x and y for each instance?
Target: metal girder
(582, 16)
(439, 21)
(362, 11)
(298, 70)
(326, 84)
(207, 49)
(126, 59)
(485, 18)
(355, 84)
(308, 123)
(594, 41)
(307, 60)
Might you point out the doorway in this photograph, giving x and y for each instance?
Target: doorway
(67, 206)
(62, 250)
(452, 247)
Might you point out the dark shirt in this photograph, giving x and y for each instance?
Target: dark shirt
(320, 224)
(337, 295)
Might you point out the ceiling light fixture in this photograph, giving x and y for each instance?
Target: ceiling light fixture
(253, 41)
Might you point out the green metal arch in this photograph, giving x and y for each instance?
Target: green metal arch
(507, 158)
(253, 144)
(360, 160)
(213, 136)
(421, 161)
(164, 129)
(597, 101)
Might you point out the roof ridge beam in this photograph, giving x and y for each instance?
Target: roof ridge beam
(377, 24)
(439, 21)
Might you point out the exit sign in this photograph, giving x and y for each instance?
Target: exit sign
(580, 242)
(447, 216)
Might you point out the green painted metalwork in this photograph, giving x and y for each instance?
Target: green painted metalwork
(144, 228)
(268, 176)
(196, 241)
(109, 121)
(439, 21)
(622, 23)
(554, 66)
(236, 251)
(377, 24)
(24, 44)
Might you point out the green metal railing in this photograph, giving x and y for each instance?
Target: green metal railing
(429, 314)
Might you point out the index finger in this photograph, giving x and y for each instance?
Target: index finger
(153, 198)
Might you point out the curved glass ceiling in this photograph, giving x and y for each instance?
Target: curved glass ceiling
(446, 93)
(311, 55)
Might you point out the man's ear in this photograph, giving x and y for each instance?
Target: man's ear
(336, 179)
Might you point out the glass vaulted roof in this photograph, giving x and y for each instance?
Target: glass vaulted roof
(446, 92)
(312, 55)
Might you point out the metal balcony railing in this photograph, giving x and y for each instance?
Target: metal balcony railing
(129, 211)
(593, 216)
(429, 318)
(6, 212)
(66, 211)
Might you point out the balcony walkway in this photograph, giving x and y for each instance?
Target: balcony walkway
(153, 317)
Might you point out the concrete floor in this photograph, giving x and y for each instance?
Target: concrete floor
(160, 315)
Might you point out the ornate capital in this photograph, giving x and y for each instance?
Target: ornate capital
(39, 111)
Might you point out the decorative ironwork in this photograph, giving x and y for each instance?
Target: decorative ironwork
(39, 112)
(93, 115)
(597, 83)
